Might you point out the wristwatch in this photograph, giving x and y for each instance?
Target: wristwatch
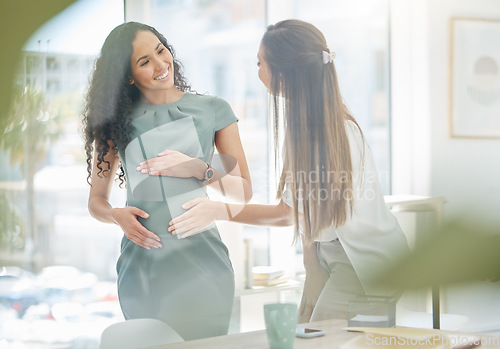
(209, 174)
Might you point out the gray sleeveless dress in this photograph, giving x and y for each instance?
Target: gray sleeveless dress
(188, 283)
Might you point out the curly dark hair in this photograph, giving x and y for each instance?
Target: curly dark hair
(106, 120)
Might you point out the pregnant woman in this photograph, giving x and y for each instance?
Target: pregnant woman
(141, 115)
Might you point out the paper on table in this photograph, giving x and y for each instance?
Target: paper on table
(370, 318)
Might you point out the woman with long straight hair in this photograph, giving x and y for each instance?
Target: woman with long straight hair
(328, 187)
(142, 118)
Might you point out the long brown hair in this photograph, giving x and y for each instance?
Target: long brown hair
(316, 159)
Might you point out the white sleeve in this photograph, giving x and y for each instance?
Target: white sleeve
(288, 199)
(328, 234)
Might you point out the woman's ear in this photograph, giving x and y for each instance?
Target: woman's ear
(131, 81)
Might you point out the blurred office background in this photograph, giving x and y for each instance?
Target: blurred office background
(58, 264)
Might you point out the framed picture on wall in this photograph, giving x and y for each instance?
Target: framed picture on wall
(475, 78)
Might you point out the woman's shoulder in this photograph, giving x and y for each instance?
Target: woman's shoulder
(353, 130)
(206, 100)
(360, 150)
(203, 97)
(351, 126)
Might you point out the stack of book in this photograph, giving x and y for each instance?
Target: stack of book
(268, 276)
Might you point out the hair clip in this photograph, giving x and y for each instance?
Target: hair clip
(328, 57)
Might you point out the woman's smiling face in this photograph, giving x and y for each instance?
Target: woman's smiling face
(152, 66)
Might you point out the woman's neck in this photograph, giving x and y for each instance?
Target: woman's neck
(165, 97)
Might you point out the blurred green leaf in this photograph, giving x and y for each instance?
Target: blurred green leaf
(462, 251)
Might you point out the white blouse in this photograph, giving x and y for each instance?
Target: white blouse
(371, 237)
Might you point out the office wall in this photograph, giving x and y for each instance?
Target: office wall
(466, 171)
(426, 161)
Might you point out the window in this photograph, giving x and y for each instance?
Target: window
(358, 31)
(53, 63)
(33, 64)
(50, 270)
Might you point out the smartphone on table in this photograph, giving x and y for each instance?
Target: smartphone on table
(304, 332)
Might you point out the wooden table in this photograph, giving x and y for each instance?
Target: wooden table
(336, 336)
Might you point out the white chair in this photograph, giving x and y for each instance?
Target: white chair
(137, 334)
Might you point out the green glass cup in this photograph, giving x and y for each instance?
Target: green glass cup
(281, 322)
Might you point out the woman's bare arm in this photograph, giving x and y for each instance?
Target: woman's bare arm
(126, 217)
(234, 182)
(203, 212)
(316, 277)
